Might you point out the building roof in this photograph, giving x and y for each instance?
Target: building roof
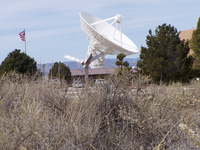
(186, 35)
(97, 71)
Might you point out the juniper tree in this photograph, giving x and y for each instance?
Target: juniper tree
(18, 62)
(123, 65)
(165, 58)
(195, 46)
(60, 71)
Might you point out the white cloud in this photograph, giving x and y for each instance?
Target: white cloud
(10, 7)
(155, 21)
(37, 34)
(50, 32)
(26, 13)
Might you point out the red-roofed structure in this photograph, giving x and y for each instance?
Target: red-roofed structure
(93, 73)
(187, 36)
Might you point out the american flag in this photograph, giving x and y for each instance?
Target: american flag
(22, 35)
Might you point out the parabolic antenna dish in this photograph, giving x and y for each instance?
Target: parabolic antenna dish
(105, 37)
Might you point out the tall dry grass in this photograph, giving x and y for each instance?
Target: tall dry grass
(46, 115)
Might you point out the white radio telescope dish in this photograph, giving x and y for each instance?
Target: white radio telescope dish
(104, 39)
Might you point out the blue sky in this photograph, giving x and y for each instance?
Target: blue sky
(53, 26)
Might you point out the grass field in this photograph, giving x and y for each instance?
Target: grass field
(40, 115)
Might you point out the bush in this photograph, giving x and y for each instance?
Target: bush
(60, 71)
(43, 115)
(166, 57)
(123, 66)
(18, 62)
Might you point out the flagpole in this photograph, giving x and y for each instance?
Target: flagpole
(25, 46)
(25, 41)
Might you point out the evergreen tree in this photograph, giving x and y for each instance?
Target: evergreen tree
(19, 62)
(123, 65)
(166, 57)
(195, 46)
(60, 71)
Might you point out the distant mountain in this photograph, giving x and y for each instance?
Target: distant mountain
(109, 63)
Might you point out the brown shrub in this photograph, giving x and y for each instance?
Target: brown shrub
(47, 115)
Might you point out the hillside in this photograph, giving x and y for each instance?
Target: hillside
(109, 63)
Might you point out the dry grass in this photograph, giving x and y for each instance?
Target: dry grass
(40, 115)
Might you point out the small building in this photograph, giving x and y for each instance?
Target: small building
(187, 36)
(97, 73)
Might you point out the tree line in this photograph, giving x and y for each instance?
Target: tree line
(20, 63)
(164, 58)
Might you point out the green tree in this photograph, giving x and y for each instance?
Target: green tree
(195, 46)
(60, 71)
(123, 65)
(19, 62)
(166, 57)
